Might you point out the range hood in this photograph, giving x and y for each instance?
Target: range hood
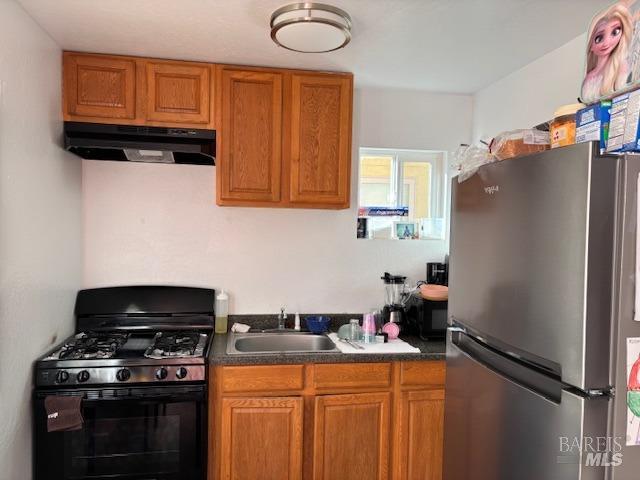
(98, 141)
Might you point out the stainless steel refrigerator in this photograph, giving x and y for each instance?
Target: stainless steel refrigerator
(541, 300)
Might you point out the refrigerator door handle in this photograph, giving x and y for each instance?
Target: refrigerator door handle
(508, 367)
(457, 329)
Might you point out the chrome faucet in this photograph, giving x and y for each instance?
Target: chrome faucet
(282, 319)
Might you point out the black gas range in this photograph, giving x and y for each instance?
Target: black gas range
(138, 363)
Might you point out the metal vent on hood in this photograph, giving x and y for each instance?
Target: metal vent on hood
(97, 141)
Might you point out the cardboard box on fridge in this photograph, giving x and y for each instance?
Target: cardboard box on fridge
(623, 124)
(592, 124)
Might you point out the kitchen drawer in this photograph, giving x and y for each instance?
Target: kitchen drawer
(429, 373)
(352, 375)
(263, 378)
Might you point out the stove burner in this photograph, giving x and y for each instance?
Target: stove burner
(176, 344)
(92, 345)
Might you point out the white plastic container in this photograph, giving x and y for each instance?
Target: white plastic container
(222, 312)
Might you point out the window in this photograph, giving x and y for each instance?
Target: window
(391, 180)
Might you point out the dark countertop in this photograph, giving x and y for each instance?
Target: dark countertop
(429, 350)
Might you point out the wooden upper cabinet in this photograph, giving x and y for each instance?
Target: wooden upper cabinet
(261, 439)
(283, 136)
(99, 87)
(320, 146)
(421, 429)
(137, 91)
(178, 92)
(351, 437)
(250, 137)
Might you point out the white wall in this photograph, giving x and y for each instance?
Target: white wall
(529, 96)
(159, 223)
(40, 233)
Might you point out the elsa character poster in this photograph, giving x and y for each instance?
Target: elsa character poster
(613, 52)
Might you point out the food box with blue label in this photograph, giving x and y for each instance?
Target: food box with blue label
(623, 124)
(592, 124)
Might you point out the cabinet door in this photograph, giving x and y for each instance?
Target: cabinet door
(250, 148)
(421, 425)
(99, 86)
(351, 437)
(320, 150)
(178, 92)
(261, 438)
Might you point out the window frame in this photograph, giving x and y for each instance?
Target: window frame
(400, 156)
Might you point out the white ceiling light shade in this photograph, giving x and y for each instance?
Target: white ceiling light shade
(311, 27)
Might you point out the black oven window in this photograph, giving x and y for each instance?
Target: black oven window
(136, 445)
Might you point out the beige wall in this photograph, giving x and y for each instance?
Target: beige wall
(159, 223)
(529, 96)
(40, 233)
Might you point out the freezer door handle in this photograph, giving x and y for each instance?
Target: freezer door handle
(457, 330)
(510, 368)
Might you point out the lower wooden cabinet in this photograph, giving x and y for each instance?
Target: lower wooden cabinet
(420, 433)
(351, 437)
(360, 421)
(261, 438)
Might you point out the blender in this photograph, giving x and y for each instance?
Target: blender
(393, 310)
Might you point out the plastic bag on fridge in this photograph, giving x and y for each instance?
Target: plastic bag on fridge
(468, 158)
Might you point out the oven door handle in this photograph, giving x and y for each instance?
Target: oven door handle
(153, 398)
(158, 394)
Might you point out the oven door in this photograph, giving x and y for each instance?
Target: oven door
(144, 433)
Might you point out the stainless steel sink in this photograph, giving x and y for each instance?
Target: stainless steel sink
(244, 343)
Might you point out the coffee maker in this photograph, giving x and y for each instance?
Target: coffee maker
(393, 310)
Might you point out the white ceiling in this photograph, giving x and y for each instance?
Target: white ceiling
(438, 45)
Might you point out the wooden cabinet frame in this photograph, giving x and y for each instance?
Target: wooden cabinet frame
(404, 391)
(98, 87)
(137, 105)
(183, 80)
(307, 158)
(420, 419)
(350, 404)
(262, 155)
(261, 413)
(288, 191)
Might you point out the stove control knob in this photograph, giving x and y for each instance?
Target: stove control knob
(83, 376)
(123, 375)
(62, 376)
(161, 373)
(181, 373)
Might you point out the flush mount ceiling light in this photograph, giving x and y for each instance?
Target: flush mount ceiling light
(310, 27)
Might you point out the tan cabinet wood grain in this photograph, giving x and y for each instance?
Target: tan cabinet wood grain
(178, 92)
(344, 411)
(414, 374)
(320, 149)
(261, 438)
(421, 425)
(352, 375)
(351, 437)
(262, 378)
(250, 146)
(99, 87)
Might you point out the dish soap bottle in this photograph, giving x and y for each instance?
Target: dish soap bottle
(222, 311)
